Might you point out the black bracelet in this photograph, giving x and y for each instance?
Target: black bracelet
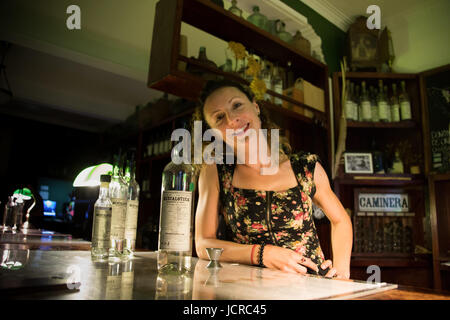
(260, 258)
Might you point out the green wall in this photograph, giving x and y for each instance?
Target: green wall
(333, 38)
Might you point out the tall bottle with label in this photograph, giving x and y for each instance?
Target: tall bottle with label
(366, 108)
(349, 101)
(395, 107)
(388, 105)
(101, 226)
(176, 218)
(382, 103)
(132, 209)
(357, 104)
(405, 104)
(118, 192)
(374, 104)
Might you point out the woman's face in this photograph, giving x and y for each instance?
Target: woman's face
(229, 108)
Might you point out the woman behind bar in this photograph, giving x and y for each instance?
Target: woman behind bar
(267, 218)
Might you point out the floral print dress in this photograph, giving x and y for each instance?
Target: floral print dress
(281, 218)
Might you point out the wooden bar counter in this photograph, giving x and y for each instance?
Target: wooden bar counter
(63, 274)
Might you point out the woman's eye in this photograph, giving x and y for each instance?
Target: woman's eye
(219, 117)
(237, 105)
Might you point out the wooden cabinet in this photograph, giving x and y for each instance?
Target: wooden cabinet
(305, 133)
(409, 268)
(165, 75)
(434, 88)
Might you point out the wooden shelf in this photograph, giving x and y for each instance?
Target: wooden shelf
(378, 75)
(205, 15)
(406, 124)
(381, 179)
(235, 77)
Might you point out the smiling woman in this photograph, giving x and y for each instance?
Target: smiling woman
(264, 219)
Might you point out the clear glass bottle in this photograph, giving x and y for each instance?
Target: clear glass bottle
(397, 165)
(382, 103)
(257, 18)
(267, 78)
(405, 104)
(176, 218)
(132, 210)
(395, 107)
(118, 192)
(374, 104)
(277, 84)
(349, 102)
(8, 215)
(234, 9)
(357, 112)
(366, 108)
(388, 105)
(101, 225)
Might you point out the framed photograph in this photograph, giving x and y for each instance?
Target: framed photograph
(358, 162)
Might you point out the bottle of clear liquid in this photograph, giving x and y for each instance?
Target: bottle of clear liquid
(176, 218)
(388, 105)
(132, 210)
(382, 103)
(101, 226)
(349, 102)
(405, 104)
(366, 107)
(118, 193)
(357, 104)
(374, 104)
(395, 107)
(277, 84)
(267, 78)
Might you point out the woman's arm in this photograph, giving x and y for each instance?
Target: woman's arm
(341, 225)
(206, 222)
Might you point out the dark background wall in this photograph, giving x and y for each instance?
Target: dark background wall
(33, 153)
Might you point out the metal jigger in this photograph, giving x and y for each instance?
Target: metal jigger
(214, 255)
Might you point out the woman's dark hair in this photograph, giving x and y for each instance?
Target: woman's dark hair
(214, 85)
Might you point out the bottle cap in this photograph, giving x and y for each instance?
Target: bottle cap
(105, 178)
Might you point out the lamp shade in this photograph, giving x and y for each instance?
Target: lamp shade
(90, 177)
(23, 193)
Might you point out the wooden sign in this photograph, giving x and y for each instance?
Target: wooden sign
(383, 202)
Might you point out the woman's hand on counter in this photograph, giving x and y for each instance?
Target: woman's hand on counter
(286, 260)
(334, 272)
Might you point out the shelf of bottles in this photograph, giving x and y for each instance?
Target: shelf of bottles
(276, 79)
(384, 234)
(367, 105)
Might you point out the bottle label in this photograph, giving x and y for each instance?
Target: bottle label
(395, 113)
(101, 229)
(382, 110)
(349, 110)
(405, 108)
(175, 221)
(119, 211)
(366, 111)
(131, 219)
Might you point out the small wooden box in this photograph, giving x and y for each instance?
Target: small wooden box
(306, 93)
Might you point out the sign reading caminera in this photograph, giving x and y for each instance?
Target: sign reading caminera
(383, 202)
